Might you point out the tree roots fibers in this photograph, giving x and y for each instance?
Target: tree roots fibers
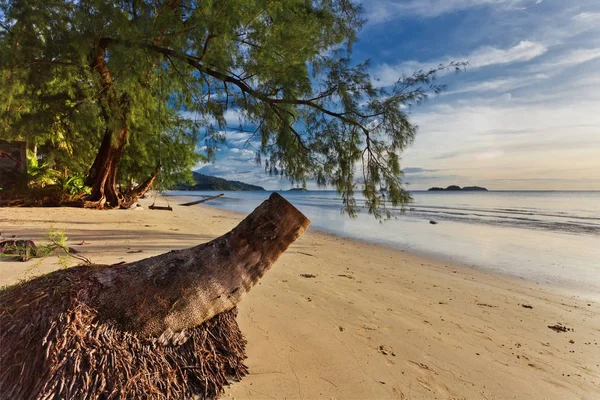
(54, 346)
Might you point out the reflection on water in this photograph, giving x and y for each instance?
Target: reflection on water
(546, 237)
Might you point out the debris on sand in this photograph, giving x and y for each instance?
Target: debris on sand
(386, 350)
(23, 249)
(526, 306)
(432, 222)
(308, 275)
(559, 328)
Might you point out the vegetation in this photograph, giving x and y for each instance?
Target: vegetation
(42, 185)
(458, 188)
(206, 182)
(115, 89)
(27, 249)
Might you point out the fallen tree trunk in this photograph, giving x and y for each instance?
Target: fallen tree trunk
(162, 327)
(184, 288)
(191, 203)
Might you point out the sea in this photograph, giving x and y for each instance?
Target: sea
(550, 238)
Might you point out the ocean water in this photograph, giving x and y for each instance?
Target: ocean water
(550, 238)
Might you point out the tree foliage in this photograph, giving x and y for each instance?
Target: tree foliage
(79, 71)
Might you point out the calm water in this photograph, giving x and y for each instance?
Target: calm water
(546, 237)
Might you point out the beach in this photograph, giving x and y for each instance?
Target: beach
(341, 318)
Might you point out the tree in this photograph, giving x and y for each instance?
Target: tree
(116, 72)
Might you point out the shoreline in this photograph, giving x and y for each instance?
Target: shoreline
(374, 322)
(440, 257)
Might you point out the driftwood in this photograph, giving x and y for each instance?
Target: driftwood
(24, 249)
(162, 327)
(203, 200)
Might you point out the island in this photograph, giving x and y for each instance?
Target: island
(207, 182)
(297, 189)
(453, 188)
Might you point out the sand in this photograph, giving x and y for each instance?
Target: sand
(342, 319)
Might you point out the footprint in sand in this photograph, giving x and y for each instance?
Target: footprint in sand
(427, 378)
(418, 365)
(425, 384)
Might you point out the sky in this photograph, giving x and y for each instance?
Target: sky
(524, 115)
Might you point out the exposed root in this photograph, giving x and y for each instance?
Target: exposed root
(54, 346)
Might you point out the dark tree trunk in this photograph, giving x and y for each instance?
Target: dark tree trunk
(102, 177)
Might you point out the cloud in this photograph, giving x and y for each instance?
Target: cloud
(501, 132)
(384, 10)
(484, 56)
(243, 154)
(508, 140)
(523, 51)
(567, 59)
(499, 84)
(587, 17)
(232, 117)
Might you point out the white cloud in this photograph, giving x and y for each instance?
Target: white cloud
(235, 136)
(587, 17)
(385, 10)
(243, 153)
(578, 56)
(524, 51)
(514, 143)
(499, 84)
(568, 59)
(485, 56)
(232, 117)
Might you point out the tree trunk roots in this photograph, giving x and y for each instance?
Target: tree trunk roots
(161, 328)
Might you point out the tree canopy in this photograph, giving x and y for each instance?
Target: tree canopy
(104, 85)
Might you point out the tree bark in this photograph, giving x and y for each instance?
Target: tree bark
(162, 296)
(102, 177)
(143, 187)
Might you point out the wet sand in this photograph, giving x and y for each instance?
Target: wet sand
(337, 318)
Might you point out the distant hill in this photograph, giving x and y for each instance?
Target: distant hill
(207, 182)
(458, 188)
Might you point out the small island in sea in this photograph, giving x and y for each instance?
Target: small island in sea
(452, 188)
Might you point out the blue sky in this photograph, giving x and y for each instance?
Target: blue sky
(524, 115)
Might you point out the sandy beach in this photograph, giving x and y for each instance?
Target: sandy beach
(343, 319)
